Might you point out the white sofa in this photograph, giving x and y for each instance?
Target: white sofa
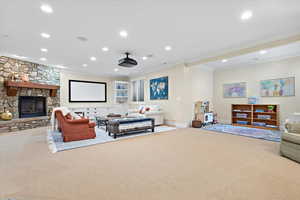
(151, 111)
(290, 139)
(92, 112)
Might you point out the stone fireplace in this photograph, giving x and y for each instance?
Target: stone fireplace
(31, 107)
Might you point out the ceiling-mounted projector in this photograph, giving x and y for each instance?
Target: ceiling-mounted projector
(127, 62)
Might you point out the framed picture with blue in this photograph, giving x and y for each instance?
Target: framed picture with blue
(159, 88)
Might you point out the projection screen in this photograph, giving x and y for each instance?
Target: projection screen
(87, 91)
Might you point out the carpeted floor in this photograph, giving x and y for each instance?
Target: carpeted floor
(180, 164)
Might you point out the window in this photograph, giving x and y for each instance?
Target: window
(137, 90)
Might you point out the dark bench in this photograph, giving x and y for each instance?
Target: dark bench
(117, 127)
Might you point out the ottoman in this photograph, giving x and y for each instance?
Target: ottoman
(117, 127)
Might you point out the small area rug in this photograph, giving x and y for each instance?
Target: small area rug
(245, 131)
(55, 140)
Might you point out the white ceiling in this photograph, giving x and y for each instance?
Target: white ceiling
(195, 29)
(273, 54)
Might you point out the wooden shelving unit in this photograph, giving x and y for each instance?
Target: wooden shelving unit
(250, 114)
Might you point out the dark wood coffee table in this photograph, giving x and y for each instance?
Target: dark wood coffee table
(102, 121)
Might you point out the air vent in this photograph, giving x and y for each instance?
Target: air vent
(82, 39)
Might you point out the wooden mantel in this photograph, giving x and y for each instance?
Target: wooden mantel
(12, 85)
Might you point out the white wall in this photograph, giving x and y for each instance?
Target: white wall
(65, 76)
(190, 84)
(186, 86)
(200, 87)
(253, 74)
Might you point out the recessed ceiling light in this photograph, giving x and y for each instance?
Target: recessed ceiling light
(43, 59)
(45, 35)
(46, 8)
(224, 60)
(168, 48)
(263, 52)
(116, 69)
(144, 57)
(105, 49)
(84, 65)
(93, 58)
(123, 34)
(44, 50)
(246, 15)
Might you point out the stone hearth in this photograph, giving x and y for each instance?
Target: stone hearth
(37, 74)
(23, 123)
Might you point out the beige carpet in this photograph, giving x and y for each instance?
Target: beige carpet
(180, 164)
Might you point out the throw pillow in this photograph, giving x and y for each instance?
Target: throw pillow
(293, 127)
(141, 110)
(77, 116)
(69, 116)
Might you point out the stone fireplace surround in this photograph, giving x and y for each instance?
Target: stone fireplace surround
(37, 74)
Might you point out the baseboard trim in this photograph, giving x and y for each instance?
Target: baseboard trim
(176, 124)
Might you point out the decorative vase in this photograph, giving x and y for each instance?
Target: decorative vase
(6, 115)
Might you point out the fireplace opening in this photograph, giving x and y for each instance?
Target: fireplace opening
(30, 106)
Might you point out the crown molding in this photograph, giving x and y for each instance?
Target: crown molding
(267, 45)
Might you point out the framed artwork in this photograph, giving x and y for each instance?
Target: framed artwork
(159, 88)
(234, 90)
(282, 87)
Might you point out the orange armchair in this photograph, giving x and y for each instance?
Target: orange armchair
(75, 129)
